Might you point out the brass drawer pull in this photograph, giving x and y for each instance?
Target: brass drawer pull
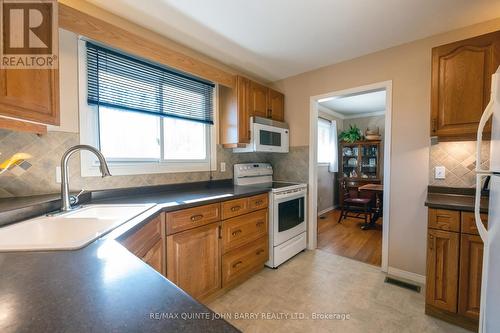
(236, 264)
(235, 208)
(258, 224)
(259, 252)
(195, 218)
(236, 232)
(259, 202)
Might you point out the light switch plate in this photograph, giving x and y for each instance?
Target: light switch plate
(58, 174)
(222, 166)
(440, 172)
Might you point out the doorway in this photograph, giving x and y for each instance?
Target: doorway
(360, 234)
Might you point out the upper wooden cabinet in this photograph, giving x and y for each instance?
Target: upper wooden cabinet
(30, 94)
(258, 105)
(461, 85)
(247, 99)
(276, 104)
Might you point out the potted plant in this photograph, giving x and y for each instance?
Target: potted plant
(350, 135)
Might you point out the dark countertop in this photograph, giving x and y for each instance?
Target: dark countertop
(454, 199)
(103, 287)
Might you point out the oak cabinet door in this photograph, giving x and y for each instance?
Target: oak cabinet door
(461, 82)
(30, 94)
(194, 260)
(258, 100)
(471, 266)
(442, 269)
(243, 101)
(154, 257)
(276, 104)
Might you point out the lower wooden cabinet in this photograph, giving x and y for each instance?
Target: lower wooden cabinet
(148, 243)
(471, 266)
(239, 264)
(194, 260)
(442, 269)
(454, 268)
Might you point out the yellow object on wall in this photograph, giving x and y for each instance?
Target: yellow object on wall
(16, 158)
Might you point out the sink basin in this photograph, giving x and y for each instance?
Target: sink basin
(68, 231)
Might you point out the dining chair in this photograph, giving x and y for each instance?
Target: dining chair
(353, 205)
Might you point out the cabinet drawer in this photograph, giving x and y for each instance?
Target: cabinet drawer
(234, 208)
(258, 201)
(443, 219)
(192, 217)
(469, 222)
(243, 261)
(243, 229)
(141, 241)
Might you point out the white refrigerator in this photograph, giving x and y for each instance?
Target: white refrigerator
(489, 321)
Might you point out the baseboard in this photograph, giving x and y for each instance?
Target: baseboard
(324, 211)
(413, 277)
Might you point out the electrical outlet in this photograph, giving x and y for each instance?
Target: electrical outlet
(58, 174)
(440, 172)
(222, 166)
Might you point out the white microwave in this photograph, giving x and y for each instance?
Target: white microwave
(266, 135)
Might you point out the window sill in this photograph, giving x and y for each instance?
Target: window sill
(146, 168)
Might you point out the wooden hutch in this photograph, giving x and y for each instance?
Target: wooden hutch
(359, 164)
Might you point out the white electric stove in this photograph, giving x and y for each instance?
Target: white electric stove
(287, 210)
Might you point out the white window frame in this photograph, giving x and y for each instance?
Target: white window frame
(89, 135)
(322, 163)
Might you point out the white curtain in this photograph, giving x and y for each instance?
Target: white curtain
(334, 147)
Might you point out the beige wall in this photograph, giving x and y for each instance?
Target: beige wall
(409, 68)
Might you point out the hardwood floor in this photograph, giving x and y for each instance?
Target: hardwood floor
(348, 240)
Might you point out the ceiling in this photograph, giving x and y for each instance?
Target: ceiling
(356, 105)
(275, 39)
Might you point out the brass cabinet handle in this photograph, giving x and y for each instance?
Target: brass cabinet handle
(259, 252)
(235, 208)
(236, 264)
(258, 224)
(259, 202)
(195, 218)
(434, 124)
(431, 246)
(236, 232)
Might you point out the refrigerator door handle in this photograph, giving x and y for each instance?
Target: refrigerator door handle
(480, 173)
(483, 232)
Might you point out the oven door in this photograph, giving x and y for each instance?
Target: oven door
(289, 216)
(270, 138)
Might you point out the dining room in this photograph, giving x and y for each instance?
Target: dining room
(350, 191)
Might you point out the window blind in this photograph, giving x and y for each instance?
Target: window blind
(126, 83)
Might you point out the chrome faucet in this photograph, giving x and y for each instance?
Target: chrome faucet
(66, 202)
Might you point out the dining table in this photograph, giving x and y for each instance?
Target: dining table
(378, 191)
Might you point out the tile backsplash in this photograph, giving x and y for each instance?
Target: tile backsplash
(459, 159)
(40, 176)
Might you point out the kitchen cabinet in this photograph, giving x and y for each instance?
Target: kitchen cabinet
(442, 269)
(471, 266)
(202, 241)
(247, 99)
(454, 267)
(30, 94)
(194, 260)
(460, 86)
(258, 103)
(148, 243)
(276, 105)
